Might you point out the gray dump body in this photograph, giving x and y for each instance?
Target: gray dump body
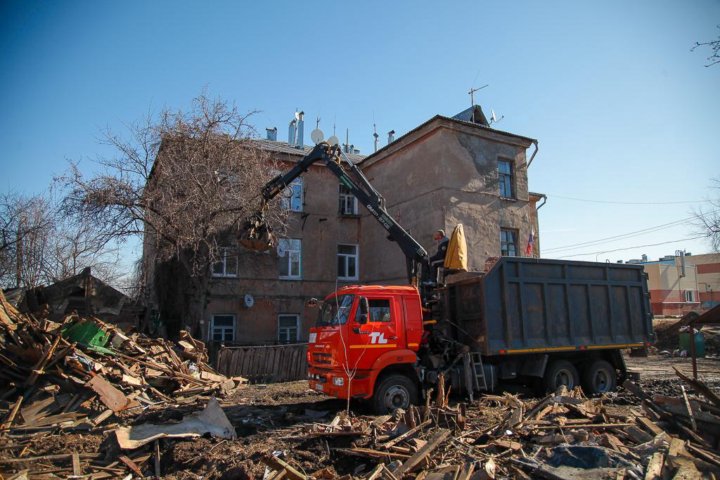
(526, 305)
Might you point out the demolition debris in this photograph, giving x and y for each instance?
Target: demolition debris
(81, 398)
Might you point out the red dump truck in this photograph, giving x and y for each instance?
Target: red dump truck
(540, 322)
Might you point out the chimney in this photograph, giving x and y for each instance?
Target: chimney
(644, 258)
(292, 131)
(391, 136)
(271, 134)
(300, 130)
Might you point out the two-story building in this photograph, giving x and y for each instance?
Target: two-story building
(446, 171)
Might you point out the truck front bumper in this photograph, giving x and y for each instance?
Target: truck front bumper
(335, 384)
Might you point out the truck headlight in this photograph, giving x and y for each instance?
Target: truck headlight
(338, 381)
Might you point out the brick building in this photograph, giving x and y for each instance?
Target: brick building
(446, 171)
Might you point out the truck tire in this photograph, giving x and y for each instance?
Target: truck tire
(393, 392)
(558, 373)
(599, 377)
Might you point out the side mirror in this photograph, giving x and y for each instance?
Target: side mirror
(362, 319)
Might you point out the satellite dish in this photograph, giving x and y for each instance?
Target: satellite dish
(248, 300)
(334, 140)
(317, 136)
(281, 250)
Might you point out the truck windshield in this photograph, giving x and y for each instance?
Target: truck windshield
(335, 311)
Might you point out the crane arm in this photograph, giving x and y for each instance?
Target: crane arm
(337, 162)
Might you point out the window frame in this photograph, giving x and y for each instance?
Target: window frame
(504, 243)
(287, 258)
(343, 198)
(689, 296)
(280, 328)
(293, 196)
(506, 179)
(346, 256)
(232, 329)
(223, 259)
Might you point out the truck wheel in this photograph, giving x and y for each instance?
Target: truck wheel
(599, 377)
(561, 372)
(392, 392)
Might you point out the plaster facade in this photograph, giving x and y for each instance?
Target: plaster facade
(441, 173)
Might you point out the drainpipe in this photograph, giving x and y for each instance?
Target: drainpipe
(544, 200)
(532, 157)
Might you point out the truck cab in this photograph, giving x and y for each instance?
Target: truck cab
(364, 345)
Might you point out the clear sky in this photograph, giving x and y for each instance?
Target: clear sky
(625, 114)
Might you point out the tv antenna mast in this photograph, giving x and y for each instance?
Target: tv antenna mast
(472, 93)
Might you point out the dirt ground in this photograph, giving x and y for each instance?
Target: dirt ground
(277, 417)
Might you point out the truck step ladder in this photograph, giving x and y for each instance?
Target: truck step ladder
(480, 380)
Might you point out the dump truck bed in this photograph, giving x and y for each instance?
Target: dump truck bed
(526, 305)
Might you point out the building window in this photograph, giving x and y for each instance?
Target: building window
(690, 296)
(508, 242)
(290, 252)
(288, 328)
(505, 179)
(292, 196)
(227, 263)
(347, 256)
(222, 328)
(348, 202)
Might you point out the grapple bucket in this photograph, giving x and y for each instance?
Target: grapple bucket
(257, 234)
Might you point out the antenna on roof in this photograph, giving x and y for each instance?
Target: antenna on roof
(472, 94)
(317, 123)
(375, 134)
(493, 117)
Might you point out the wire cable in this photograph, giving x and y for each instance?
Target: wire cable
(681, 202)
(634, 246)
(623, 236)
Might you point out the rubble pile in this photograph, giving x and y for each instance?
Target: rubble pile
(81, 398)
(562, 436)
(83, 375)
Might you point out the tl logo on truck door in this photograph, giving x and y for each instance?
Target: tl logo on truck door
(377, 337)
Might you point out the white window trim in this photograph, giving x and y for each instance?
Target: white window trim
(689, 296)
(297, 326)
(357, 260)
(286, 258)
(211, 330)
(347, 196)
(223, 256)
(288, 193)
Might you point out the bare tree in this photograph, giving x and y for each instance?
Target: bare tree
(184, 181)
(714, 57)
(25, 226)
(708, 220)
(39, 246)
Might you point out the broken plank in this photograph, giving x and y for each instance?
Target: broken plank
(649, 426)
(370, 453)
(406, 435)
(131, 465)
(278, 464)
(421, 454)
(113, 398)
(655, 466)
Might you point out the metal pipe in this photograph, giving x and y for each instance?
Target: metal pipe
(532, 157)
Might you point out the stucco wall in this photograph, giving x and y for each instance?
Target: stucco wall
(448, 176)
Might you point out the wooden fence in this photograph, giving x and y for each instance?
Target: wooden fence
(266, 364)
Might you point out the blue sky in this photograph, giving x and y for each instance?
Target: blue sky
(624, 112)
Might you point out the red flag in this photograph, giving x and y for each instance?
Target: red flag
(530, 244)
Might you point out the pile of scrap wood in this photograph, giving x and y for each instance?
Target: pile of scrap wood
(76, 374)
(562, 436)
